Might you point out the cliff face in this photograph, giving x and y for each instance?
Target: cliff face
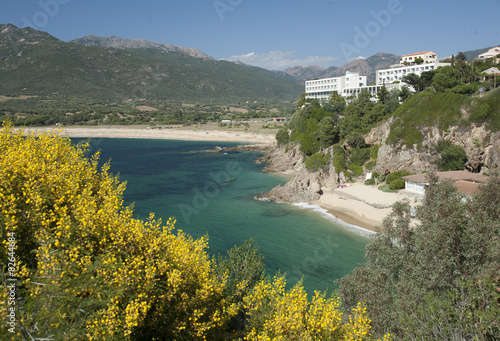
(305, 186)
(481, 146)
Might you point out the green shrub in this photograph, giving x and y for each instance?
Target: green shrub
(339, 159)
(317, 160)
(397, 184)
(282, 136)
(386, 188)
(370, 182)
(374, 151)
(356, 170)
(359, 156)
(395, 176)
(371, 164)
(452, 156)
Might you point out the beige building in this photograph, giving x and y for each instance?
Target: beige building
(491, 53)
(466, 182)
(427, 56)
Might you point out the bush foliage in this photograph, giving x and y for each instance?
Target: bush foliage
(439, 279)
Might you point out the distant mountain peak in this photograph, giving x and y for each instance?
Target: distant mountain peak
(122, 43)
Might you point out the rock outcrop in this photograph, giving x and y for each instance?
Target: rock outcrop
(481, 146)
(305, 186)
(284, 159)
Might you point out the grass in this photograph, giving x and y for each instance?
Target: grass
(385, 188)
(443, 110)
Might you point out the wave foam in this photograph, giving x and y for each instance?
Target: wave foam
(325, 214)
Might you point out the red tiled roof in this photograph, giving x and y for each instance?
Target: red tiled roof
(451, 175)
(417, 53)
(466, 187)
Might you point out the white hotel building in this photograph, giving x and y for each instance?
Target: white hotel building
(323, 88)
(396, 72)
(352, 83)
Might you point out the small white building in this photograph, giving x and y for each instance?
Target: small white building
(491, 53)
(466, 182)
(427, 56)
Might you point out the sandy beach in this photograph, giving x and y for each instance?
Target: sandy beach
(360, 205)
(354, 204)
(166, 133)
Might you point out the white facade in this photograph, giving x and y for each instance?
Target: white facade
(322, 88)
(427, 56)
(491, 53)
(397, 72)
(352, 83)
(372, 89)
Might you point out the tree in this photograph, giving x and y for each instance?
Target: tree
(328, 132)
(383, 94)
(452, 156)
(461, 57)
(454, 242)
(302, 100)
(419, 60)
(404, 93)
(282, 136)
(414, 81)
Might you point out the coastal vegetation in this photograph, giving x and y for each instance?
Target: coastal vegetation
(69, 110)
(338, 125)
(431, 273)
(85, 268)
(439, 279)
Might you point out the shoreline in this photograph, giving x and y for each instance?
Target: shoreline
(359, 204)
(346, 206)
(167, 133)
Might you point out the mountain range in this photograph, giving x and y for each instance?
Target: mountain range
(112, 68)
(35, 63)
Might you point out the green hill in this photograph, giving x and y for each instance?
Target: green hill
(36, 63)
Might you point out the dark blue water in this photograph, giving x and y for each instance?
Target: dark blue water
(177, 179)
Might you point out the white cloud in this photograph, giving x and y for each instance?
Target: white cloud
(279, 60)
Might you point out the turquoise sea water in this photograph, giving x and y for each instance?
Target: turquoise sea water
(177, 179)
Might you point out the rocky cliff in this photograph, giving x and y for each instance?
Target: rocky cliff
(305, 186)
(481, 145)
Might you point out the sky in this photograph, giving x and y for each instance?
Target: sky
(273, 34)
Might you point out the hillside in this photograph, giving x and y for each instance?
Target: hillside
(304, 73)
(472, 54)
(121, 43)
(36, 63)
(365, 67)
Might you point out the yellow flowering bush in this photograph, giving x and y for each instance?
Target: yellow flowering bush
(275, 314)
(85, 267)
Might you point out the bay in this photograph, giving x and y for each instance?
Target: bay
(213, 194)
